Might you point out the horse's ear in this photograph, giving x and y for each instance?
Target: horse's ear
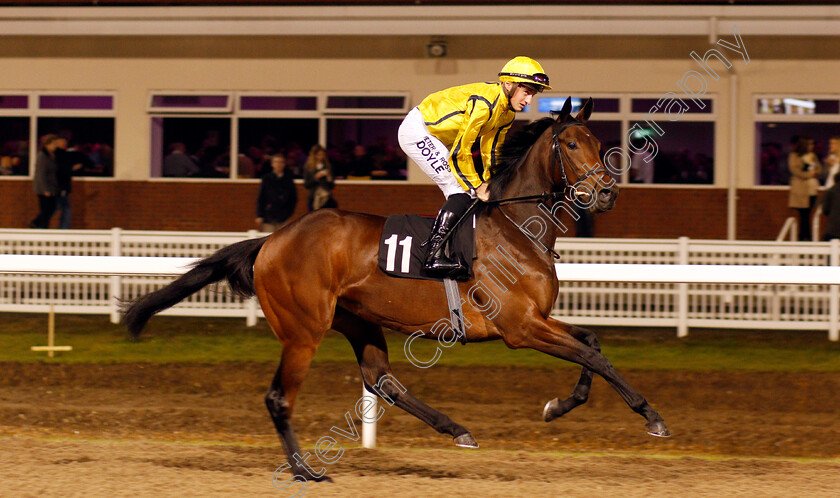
(586, 111)
(563, 114)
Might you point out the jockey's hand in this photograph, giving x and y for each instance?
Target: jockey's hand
(482, 193)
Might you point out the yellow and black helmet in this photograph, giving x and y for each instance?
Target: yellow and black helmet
(523, 69)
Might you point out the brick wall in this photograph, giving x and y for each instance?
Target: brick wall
(210, 206)
(761, 214)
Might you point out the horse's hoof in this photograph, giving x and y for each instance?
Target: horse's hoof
(658, 429)
(466, 441)
(323, 478)
(549, 412)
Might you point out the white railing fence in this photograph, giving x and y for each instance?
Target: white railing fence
(100, 294)
(790, 230)
(788, 304)
(802, 297)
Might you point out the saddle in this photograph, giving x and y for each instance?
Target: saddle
(400, 253)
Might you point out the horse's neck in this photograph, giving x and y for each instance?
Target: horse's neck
(538, 224)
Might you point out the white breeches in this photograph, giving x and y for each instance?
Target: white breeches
(428, 152)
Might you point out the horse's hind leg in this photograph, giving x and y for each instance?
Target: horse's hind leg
(548, 336)
(372, 353)
(280, 401)
(557, 408)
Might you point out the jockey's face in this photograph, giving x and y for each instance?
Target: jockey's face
(521, 96)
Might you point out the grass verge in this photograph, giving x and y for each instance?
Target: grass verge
(212, 340)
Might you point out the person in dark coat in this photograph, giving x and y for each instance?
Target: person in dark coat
(277, 198)
(68, 163)
(831, 208)
(45, 182)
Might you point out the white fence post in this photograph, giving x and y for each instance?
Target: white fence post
(834, 294)
(369, 429)
(682, 305)
(116, 280)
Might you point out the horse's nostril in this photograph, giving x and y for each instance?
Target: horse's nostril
(605, 192)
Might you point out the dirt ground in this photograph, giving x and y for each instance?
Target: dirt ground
(175, 430)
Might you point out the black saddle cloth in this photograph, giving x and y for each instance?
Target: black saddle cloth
(400, 254)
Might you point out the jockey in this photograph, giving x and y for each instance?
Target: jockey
(439, 135)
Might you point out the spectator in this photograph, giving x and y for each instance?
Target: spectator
(262, 163)
(9, 162)
(360, 163)
(832, 161)
(178, 163)
(45, 182)
(804, 167)
(68, 161)
(318, 179)
(831, 208)
(294, 160)
(642, 167)
(278, 197)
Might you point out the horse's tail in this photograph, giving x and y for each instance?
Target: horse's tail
(234, 262)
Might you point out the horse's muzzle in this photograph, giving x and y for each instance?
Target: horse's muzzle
(605, 200)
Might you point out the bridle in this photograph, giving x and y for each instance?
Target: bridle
(567, 188)
(556, 130)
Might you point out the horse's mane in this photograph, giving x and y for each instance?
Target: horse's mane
(511, 153)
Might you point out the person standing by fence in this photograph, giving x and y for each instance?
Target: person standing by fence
(832, 161)
(804, 168)
(45, 182)
(831, 208)
(68, 162)
(277, 198)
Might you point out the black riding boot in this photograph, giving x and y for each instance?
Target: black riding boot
(448, 216)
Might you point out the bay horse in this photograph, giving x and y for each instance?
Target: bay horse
(320, 272)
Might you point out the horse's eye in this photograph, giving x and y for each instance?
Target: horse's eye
(572, 145)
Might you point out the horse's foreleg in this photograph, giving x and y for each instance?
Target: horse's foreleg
(548, 336)
(557, 408)
(372, 353)
(280, 401)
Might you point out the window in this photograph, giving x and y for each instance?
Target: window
(260, 138)
(92, 136)
(365, 148)
(604, 122)
(192, 147)
(14, 145)
(190, 102)
(662, 148)
(685, 155)
(670, 140)
(779, 123)
(269, 124)
(86, 120)
(359, 132)
(379, 104)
